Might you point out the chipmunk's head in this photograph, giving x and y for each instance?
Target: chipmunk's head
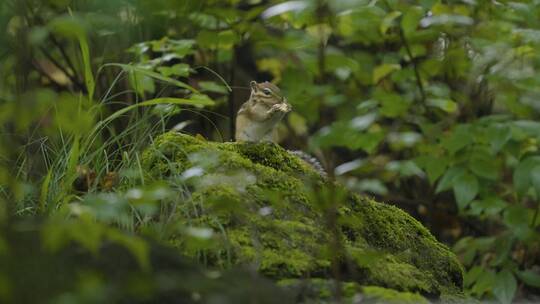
(266, 92)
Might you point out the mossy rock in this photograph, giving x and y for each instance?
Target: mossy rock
(326, 291)
(274, 212)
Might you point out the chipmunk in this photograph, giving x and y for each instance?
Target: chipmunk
(258, 117)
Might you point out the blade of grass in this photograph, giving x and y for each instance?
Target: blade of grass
(44, 193)
(151, 102)
(131, 69)
(88, 75)
(73, 160)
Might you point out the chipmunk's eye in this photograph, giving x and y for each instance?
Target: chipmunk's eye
(267, 91)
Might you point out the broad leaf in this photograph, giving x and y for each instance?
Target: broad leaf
(433, 166)
(518, 218)
(529, 277)
(465, 189)
(523, 174)
(446, 105)
(458, 139)
(392, 105)
(505, 286)
(484, 283)
(131, 69)
(498, 135)
(483, 164)
(447, 181)
(388, 21)
(411, 19)
(535, 180)
(384, 70)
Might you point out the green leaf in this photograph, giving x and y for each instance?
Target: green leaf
(490, 206)
(199, 100)
(220, 40)
(529, 277)
(521, 178)
(523, 175)
(498, 135)
(458, 139)
(384, 70)
(388, 21)
(73, 159)
(447, 20)
(196, 100)
(141, 83)
(446, 105)
(88, 75)
(409, 168)
(392, 105)
(535, 180)
(320, 32)
(465, 189)
(447, 181)
(484, 283)
(74, 27)
(181, 47)
(517, 219)
(503, 247)
(180, 69)
(211, 86)
(68, 26)
(531, 128)
(137, 247)
(505, 286)
(87, 232)
(44, 194)
(472, 275)
(131, 69)
(298, 123)
(484, 164)
(341, 134)
(373, 186)
(433, 166)
(411, 19)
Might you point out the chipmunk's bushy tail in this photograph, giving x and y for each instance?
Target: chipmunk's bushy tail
(312, 161)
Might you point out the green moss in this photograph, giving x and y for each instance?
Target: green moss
(324, 291)
(374, 294)
(319, 290)
(392, 230)
(274, 156)
(389, 272)
(268, 205)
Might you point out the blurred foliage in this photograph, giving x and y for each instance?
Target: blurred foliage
(430, 105)
(84, 273)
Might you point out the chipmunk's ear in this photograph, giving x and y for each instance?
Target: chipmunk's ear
(254, 86)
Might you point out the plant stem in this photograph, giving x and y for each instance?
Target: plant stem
(535, 216)
(231, 97)
(415, 66)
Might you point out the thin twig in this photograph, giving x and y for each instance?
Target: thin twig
(413, 60)
(63, 69)
(535, 216)
(231, 98)
(63, 52)
(415, 66)
(45, 74)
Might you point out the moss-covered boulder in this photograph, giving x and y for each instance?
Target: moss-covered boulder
(273, 211)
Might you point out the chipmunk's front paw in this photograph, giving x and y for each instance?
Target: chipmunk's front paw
(280, 107)
(286, 107)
